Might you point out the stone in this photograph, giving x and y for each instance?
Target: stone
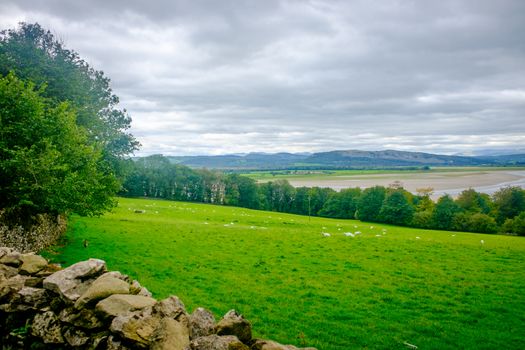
(35, 282)
(11, 259)
(7, 272)
(138, 327)
(215, 342)
(11, 285)
(85, 318)
(234, 323)
(48, 270)
(69, 282)
(4, 251)
(137, 289)
(270, 345)
(115, 344)
(118, 304)
(76, 337)
(31, 264)
(171, 335)
(171, 307)
(101, 288)
(117, 274)
(36, 297)
(97, 340)
(202, 323)
(46, 326)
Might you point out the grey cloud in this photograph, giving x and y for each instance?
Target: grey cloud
(238, 76)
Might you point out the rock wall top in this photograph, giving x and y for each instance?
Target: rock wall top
(86, 307)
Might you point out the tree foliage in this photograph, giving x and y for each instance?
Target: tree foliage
(370, 203)
(444, 213)
(396, 209)
(46, 163)
(509, 202)
(35, 55)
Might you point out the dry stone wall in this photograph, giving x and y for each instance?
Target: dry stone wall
(86, 307)
(44, 231)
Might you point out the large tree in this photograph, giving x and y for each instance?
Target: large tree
(396, 209)
(509, 202)
(444, 212)
(34, 54)
(47, 164)
(370, 203)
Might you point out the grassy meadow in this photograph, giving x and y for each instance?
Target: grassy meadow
(433, 289)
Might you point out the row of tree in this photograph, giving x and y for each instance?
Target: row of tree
(157, 177)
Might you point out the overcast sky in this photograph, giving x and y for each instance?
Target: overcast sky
(218, 77)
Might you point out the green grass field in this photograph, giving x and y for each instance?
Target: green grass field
(433, 289)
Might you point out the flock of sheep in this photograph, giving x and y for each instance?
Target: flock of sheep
(352, 234)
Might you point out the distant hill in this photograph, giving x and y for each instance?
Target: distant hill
(510, 159)
(343, 159)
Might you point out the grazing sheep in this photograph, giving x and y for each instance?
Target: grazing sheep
(349, 234)
(418, 237)
(326, 234)
(357, 232)
(410, 346)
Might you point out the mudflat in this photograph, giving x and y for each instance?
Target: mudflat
(442, 182)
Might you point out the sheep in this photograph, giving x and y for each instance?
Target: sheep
(349, 234)
(417, 237)
(482, 242)
(410, 346)
(357, 232)
(326, 234)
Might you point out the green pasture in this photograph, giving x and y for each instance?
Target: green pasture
(433, 289)
(272, 175)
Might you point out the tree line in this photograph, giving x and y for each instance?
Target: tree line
(157, 177)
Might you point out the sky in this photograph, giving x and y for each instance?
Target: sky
(222, 77)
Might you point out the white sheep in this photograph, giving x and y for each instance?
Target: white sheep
(349, 234)
(357, 232)
(326, 234)
(418, 237)
(482, 242)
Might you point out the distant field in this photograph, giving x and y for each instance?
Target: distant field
(434, 289)
(443, 180)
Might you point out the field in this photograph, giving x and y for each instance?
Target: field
(433, 289)
(443, 180)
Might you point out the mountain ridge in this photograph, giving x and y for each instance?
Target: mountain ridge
(342, 159)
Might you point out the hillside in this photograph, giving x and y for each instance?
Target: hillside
(343, 159)
(383, 287)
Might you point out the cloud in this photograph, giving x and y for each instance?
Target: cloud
(207, 77)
